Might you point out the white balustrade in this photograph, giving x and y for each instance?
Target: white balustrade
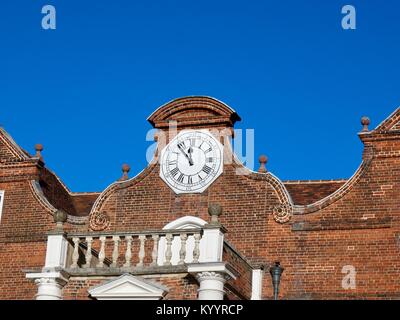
(168, 251)
(196, 250)
(115, 251)
(88, 256)
(182, 252)
(75, 254)
(128, 253)
(99, 246)
(102, 253)
(142, 239)
(154, 254)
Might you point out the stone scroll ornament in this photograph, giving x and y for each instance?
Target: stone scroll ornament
(282, 213)
(99, 221)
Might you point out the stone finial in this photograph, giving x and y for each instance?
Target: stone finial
(263, 161)
(214, 210)
(125, 169)
(365, 122)
(60, 217)
(39, 149)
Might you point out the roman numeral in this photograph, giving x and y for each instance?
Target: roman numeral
(174, 171)
(180, 179)
(190, 180)
(207, 169)
(181, 145)
(173, 162)
(210, 160)
(192, 142)
(208, 150)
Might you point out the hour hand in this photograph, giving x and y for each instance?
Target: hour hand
(190, 150)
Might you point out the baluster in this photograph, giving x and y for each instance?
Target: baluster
(142, 239)
(115, 252)
(102, 253)
(182, 252)
(75, 254)
(168, 251)
(154, 254)
(88, 256)
(196, 250)
(128, 253)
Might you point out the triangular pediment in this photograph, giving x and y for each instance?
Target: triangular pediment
(128, 287)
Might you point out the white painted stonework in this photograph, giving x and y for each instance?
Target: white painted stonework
(128, 287)
(56, 252)
(51, 281)
(211, 285)
(211, 278)
(211, 243)
(187, 222)
(49, 284)
(256, 284)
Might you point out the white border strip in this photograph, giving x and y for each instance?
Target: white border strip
(1, 202)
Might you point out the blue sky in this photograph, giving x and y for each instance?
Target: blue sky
(292, 73)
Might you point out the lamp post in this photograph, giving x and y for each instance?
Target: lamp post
(276, 272)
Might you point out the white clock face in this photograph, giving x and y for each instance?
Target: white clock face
(191, 161)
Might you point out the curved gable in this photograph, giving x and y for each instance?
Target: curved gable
(194, 111)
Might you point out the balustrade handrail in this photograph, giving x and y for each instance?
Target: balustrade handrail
(71, 235)
(76, 238)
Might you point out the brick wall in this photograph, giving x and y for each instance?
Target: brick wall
(239, 288)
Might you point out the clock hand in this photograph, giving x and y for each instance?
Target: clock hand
(187, 157)
(190, 155)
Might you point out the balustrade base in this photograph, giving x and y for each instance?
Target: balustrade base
(111, 271)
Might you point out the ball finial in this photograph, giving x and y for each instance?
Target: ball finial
(60, 217)
(125, 169)
(39, 149)
(365, 122)
(214, 210)
(263, 159)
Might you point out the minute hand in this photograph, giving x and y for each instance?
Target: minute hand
(187, 157)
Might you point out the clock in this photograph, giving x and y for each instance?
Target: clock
(192, 161)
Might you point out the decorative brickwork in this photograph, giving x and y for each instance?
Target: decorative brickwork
(99, 221)
(282, 213)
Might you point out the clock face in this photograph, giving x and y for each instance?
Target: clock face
(191, 161)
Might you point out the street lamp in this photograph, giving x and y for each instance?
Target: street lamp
(276, 272)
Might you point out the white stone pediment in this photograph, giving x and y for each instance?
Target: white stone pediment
(128, 287)
(186, 222)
